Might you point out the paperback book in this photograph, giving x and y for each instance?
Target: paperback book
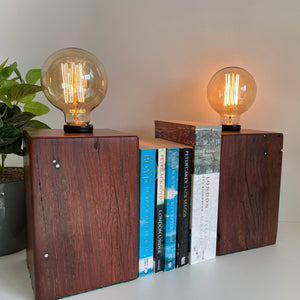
(159, 211)
(147, 206)
(184, 203)
(159, 202)
(170, 213)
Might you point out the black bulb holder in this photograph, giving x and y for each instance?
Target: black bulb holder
(231, 127)
(78, 129)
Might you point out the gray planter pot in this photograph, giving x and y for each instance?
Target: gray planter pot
(12, 217)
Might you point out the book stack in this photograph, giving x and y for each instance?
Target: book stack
(168, 206)
(185, 162)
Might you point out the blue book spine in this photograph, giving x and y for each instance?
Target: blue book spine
(147, 205)
(171, 195)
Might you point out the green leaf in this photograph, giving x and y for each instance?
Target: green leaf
(3, 64)
(2, 108)
(22, 90)
(1, 123)
(5, 85)
(7, 71)
(9, 134)
(35, 124)
(14, 147)
(33, 76)
(9, 131)
(12, 111)
(19, 75)
(18, 120)
(7, 141)
(28, 98)
(6, 101)
(36, 108)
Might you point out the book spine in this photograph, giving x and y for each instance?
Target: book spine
(147, 205)
(159, 211)
(184, 202)
(171, 195)
(205, 193)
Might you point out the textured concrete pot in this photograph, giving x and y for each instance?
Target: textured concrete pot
(12, 217)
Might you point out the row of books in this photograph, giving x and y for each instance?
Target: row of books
(179, 181)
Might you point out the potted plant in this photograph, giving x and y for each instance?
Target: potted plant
(17, 110)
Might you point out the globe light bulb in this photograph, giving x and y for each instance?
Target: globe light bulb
(231, 92)
(74, 81)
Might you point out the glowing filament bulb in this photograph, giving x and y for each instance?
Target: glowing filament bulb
(231, 90)
(73, 83)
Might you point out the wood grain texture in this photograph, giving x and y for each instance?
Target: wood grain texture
(176, 131)
(83, 217)
(249, 190)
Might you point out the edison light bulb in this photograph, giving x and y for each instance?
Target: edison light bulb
(74, 81)
(231, 92)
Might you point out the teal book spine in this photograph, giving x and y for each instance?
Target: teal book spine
(147, 206)
(171, 197)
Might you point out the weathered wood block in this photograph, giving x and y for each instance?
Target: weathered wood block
(250, 174)
(82, 204)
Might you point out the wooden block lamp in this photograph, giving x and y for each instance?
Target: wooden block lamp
(81, 188)
(250, 168)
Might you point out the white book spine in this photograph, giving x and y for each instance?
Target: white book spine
(204, 217)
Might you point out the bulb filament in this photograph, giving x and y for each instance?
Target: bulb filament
(74, 87)
(231, 90)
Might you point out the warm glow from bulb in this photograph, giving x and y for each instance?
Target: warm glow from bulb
(74, 87)
(74, 81)
(231, 90)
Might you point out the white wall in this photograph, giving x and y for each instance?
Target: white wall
(160, 54)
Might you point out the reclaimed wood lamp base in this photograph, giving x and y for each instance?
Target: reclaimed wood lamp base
(82, 205)
(250, 173)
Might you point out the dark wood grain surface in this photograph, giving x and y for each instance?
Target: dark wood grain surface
(82, 211)
(249, 191)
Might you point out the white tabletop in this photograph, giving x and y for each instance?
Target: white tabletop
(271, 272)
